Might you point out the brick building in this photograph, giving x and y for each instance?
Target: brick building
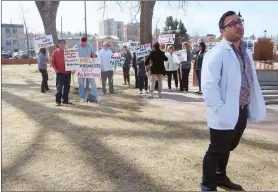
(132, 32)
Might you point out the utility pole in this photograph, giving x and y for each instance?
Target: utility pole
(156, 29)
(61, 27)
(85, 19)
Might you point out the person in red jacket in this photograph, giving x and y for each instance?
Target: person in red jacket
(63, 76)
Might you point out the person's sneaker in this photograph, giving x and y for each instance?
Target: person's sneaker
(82, 101)
(177, 89)
(140, 92)
(99, 101)
(160, 95)
(124, 83)
(147, 91)
(58, 104)
(113, 93)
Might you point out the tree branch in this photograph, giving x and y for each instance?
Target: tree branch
(136, 13)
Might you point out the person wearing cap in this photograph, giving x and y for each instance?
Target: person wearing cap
(106, 68)
(157, 57)
(232, 95)
(171, 67)
(63, 76)
(86, 50)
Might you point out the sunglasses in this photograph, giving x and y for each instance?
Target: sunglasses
(233, 24)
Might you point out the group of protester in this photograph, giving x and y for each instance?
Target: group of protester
(227, 79)
(155, 66)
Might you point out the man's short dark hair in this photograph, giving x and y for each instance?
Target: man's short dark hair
(84, 39)
(156, 45)
(222, 19)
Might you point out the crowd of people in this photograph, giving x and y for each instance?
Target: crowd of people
(149, 70)
(226, 75)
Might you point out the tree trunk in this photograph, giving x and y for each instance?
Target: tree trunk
(48, 12)
(146, 17)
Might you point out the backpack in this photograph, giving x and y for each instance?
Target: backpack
(91, 98)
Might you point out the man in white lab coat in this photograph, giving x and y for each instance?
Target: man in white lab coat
(232, 95)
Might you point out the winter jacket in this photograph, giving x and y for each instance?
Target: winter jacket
(187, 64)
(141, 69)
(157, 57)
(128, 59)
(172, 63)
(199, 61)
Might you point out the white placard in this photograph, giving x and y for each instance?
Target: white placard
(142, 50)
(71, 59)
(166, 39)
(181, 55)
(43, 42)
(89, 68)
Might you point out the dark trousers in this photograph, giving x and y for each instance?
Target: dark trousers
(143, 83)
(156, 85)
(126, 75)
(198, 74)
(104, 76)
(184, 81)
(221, 143)
(175, 75)
(44, 84)
(63, 83)
(136, 78)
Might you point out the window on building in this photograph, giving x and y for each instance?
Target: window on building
(8, 31)
(14, 31)
(14, 42)
(8, 42)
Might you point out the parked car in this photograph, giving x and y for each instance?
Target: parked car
(23, 54)
(15, 55)
(5, 54)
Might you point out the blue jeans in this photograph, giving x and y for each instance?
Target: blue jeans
(94, 90)
(87, 83)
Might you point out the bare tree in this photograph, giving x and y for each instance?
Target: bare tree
(48, 11)
(23, 17)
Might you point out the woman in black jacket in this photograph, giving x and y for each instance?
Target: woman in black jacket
(198, 64)
(157, 68)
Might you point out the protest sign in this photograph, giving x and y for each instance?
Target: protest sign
(181, 55)
(166, 39)
(71, 59)
(117, 60)
(143, 50)
(43, 42)
(89, 67)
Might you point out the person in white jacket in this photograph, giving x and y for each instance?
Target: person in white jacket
(171, 67)
(232, 95)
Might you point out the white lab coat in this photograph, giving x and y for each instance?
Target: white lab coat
(221, 92)
(172, 63)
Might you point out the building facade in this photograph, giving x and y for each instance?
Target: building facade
(12, 38)
(111, 27)
(132, 32)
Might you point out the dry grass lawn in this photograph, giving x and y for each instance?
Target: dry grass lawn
(129, 143)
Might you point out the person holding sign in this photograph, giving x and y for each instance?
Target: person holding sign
(42, 66)
(63, 76)
(128, 58)
(86, 50)
(171, 67)
(185, 67)
(106, 68)
(157, 68)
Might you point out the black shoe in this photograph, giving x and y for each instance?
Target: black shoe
(124, 84)
(205, 188)
(58, 103)
(113, 93)
(229, 184)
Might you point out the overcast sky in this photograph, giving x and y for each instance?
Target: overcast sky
(201, 17)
